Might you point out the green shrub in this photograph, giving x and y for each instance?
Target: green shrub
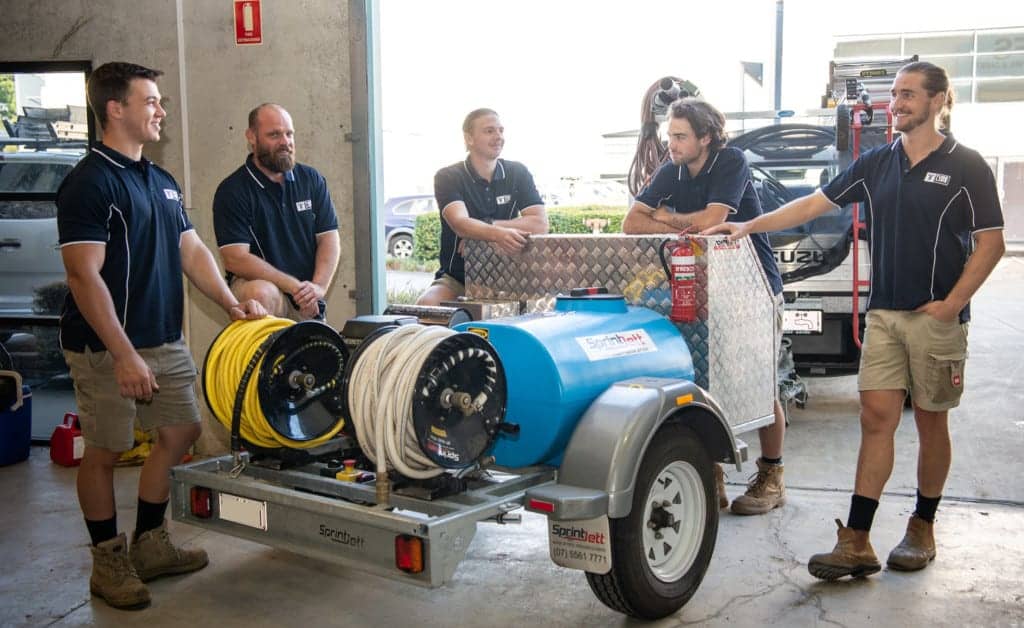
(427, 236)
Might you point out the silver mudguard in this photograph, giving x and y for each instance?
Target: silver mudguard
(609, 442)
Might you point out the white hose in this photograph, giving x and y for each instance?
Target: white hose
(380, 395)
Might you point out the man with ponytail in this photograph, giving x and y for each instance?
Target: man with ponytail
(935, 230)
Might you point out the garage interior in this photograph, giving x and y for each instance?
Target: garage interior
(317, 61)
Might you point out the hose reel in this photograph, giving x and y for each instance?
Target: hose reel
(275, 383)
(424, 399)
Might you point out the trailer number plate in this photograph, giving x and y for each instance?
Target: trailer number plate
(247, 512)
(581, 544)
(801, 321)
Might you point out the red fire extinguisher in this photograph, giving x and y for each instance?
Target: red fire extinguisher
(682, 278)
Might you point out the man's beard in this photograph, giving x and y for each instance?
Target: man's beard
(909, 123)
(281, 161)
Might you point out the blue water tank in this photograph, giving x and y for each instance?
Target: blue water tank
(556, 363)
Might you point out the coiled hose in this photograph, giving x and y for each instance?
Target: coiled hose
(380, 394)
(229, 361)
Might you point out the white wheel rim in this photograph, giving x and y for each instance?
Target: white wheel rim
(402, 248)
(672, 555)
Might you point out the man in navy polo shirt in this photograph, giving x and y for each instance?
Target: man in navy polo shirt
(705, 184)
(275, 222)
(482, 198)
(125, 240)
(936, 232)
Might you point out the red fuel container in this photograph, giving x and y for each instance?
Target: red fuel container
(67, 445)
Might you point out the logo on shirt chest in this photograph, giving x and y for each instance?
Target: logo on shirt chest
(935, 177)
(172, 195)
(503, 199)
(303, 206)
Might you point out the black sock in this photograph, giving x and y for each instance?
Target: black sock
(100, 531)
(149, 516)
(926, 507)
(862, 512)
(772, 460)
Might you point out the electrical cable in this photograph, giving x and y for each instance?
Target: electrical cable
(651, 152)
(234, 355)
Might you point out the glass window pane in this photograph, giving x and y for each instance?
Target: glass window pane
(1008, 90)
(961, 92)
(868, 48)
(939, 44)
(1001, 65)
(956, 67)
(1003, 41)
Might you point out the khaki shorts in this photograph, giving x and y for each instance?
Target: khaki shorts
(108, 419)
(780, 306)
(451, 283)
(284, 307)
(911, 351)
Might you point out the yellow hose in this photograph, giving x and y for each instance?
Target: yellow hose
(226, 362)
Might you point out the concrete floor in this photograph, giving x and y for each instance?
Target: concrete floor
(758, 575)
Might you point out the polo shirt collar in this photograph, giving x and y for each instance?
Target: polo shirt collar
(947, 146)
(119, 159)
(261, 179)
(499, 172)
(709, 163)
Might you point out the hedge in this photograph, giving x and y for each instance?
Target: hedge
(427, 235)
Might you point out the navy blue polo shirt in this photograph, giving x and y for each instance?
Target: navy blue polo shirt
(724, 179)
(920, 220)
(279, 222)
(134, 208)
(510, 191)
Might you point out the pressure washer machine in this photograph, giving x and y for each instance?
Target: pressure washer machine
(382, 446)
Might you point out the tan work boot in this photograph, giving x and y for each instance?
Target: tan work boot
(916, 549)
(852, 556)
(723, 499)
(153, 555)
(765, 491)
(113, 577)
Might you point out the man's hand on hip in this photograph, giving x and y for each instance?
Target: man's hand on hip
(940, 311)
(134, 377)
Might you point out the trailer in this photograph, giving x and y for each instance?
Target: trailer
(582, 404)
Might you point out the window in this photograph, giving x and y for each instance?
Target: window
(44, 131)
(1005, 41)
(888, 47)
(940, 44)
(1010, 90)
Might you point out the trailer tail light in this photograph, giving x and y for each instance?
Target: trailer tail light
(409, 553)
(201, 499)
(541, 506)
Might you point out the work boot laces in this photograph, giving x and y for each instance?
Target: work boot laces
(756, 482)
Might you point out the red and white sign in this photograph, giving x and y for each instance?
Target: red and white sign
(248, 22)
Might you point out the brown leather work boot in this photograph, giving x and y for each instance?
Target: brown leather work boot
(917, 548)
(113, 577)
(723, 499)
(153, 555)
(852, 556)
(765, 491)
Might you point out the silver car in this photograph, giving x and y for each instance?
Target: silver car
(31, 271)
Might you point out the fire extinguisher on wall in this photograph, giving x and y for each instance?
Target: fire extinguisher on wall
(681, 270)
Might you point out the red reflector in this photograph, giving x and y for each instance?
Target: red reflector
(202, 502)
(536, 504)
(409, 553)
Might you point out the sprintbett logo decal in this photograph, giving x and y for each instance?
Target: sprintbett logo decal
(935, 177)
(605, 346)
(343, 537)
(578, 534)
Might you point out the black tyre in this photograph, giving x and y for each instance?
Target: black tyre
(400, 246)
(662, 549)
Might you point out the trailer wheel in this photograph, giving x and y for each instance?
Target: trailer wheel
(661, 550)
